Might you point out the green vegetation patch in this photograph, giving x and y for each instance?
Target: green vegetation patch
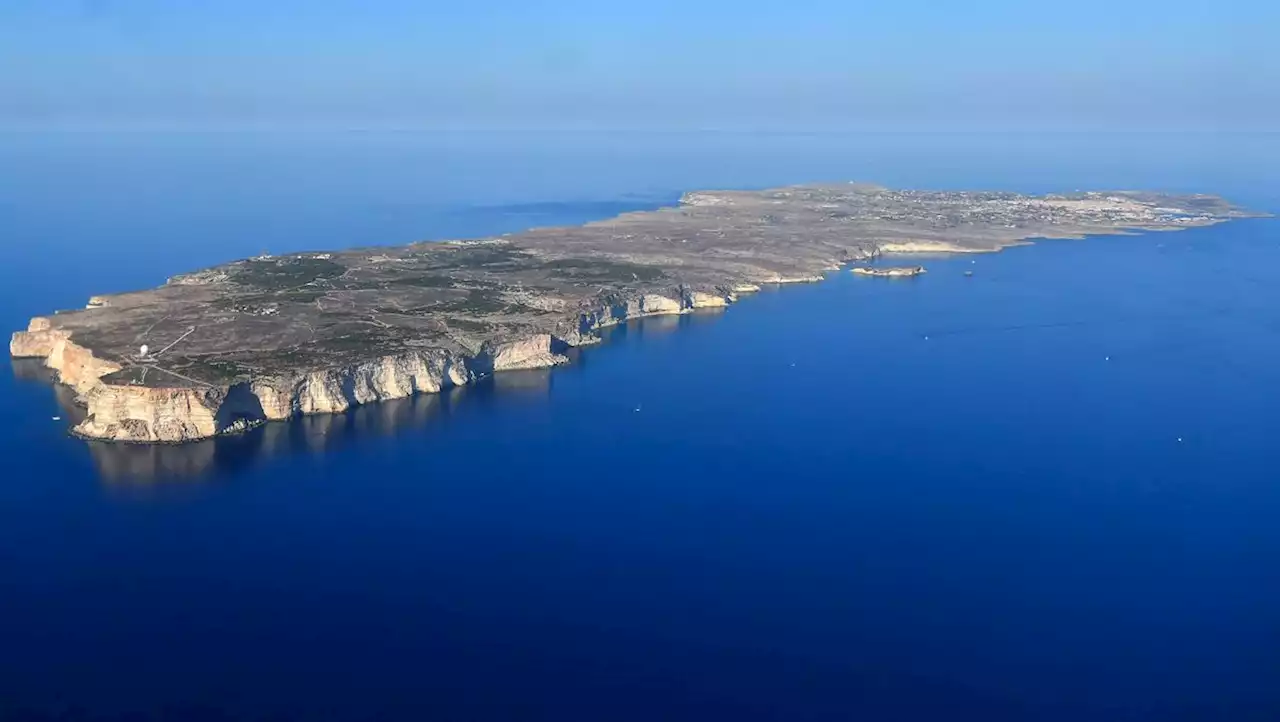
(257, 301)
(287, 359)
(480, 255)
(354, 341)
(278, 274)
(211, 370)
(477, 301)
(465, 324)
(602, 270)
(424, 281)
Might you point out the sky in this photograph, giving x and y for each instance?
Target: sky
(786, 65)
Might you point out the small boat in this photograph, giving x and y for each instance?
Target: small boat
(968, 273)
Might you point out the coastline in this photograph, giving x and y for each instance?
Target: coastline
(77, 368)
(194, 410)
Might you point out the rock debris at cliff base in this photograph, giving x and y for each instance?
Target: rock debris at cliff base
(273, 337)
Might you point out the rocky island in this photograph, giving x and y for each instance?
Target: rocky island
(273, 337)
(888, 271)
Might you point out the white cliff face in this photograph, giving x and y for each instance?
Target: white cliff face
(76, 366)
(135, 413)
(34, 344)
(649, 304)
(277, 397)
(700, 299)
(533, 352)
(121, 412)
(336, 390)
(652, 303)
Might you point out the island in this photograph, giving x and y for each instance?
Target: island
(274, 337)
(888, 271)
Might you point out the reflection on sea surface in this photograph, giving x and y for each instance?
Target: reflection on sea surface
(149, 463)
(321, 433)
(141, 464)
(28, 369)
(662, 325)
(145, 464)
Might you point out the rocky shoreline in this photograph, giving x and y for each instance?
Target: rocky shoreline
(888, 271)
(130, 413)
(272, 338)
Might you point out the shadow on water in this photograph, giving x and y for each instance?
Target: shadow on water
(661, 325)
(138, 465)
(145, 464)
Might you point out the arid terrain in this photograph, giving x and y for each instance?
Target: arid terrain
(273, 337)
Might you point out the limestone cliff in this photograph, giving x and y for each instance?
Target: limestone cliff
(123, 412)
(76, 366)
(140, 413)
(172, 414)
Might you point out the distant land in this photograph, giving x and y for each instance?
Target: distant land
(273, 337)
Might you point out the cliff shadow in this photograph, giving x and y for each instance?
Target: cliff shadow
(660, 325)
(223, 457)
(527, 385)
(139, 466)
(241, 406)
(34, 371)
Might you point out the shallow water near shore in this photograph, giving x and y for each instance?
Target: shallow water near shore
(1045, 491)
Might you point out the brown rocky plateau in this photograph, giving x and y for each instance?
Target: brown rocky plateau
(273, 337)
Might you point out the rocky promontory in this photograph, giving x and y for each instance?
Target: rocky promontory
(273, 337)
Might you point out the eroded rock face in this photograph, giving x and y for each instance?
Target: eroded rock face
(76, 366)
(387, 377)
(700, 299)
(652, 303)
(35, 343)
(143, 414)
(154, 414)
(528, 353)
(157, 415)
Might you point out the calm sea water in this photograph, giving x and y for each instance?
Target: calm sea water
(1045, 492)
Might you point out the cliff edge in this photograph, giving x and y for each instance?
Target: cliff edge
(273, 337)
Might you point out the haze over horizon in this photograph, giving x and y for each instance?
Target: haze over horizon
(659, 65)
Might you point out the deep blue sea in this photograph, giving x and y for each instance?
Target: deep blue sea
(1046, 492)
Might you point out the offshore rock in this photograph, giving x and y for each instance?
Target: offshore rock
(889, 271)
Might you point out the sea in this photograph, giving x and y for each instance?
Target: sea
(1045, 491)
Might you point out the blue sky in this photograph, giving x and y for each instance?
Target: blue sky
(662, 64)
